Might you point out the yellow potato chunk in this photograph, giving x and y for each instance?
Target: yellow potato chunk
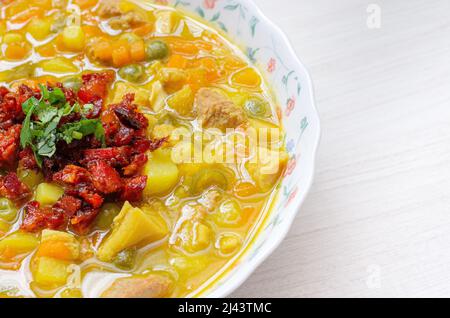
(48, 193)
(162, 173)
(182, 101)
(39, 28)
(268, 167)
(141, 95)
(228, 243)
(50, 271)
(59, 65)
(12, 37)
(58, 245)
(166, 22)
(73, 38)
(131, 227)
(30, 177)
(17, 244)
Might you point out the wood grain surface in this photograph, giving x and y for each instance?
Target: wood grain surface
(377, 221)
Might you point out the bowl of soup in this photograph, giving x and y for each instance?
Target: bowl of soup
(147, 148)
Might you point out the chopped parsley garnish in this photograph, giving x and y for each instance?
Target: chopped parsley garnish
(41, 130)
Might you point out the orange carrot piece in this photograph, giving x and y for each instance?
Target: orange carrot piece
(137, 51)
(15, 52)
(121, 56)
(177, 61)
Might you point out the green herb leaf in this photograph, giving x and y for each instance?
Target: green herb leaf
(40, 129)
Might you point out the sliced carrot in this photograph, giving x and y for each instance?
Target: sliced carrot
(103, 51)
(137, 51)
(84, 4)
(245, 189)
(121, 56)
(55, 249)
(177, 61)
(15, 52)
(183, 47)
(144, 29)
(47, 50)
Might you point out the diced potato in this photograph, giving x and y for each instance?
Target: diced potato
(228, 243)
(73, 38)
(30, 177)
(8, 211)
(12, 37)
(16, 244)
(162, 131)
(188, 266)
(273, 133)
(51, 272)
(173, 79)
(48, 193)
(229, 214)
(267, 170)
(71, 293)
(131, 227)
(157, 97)
(39, 28)
(162, 173)
(166, 22)
(59, 245)
(59, 65)
(182, 101)
(141, 95)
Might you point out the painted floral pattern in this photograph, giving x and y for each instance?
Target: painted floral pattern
(266, 48)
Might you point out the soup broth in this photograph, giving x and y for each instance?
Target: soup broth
(139, 149)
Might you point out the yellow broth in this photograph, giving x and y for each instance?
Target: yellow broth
(211, 209)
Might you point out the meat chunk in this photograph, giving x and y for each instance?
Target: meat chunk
(123, 123)
(9, 146)
(104, 177)
(217, 111)
(12, 188)
(83, 220)
(151, 286)
(37, 218)
(114, 156)
(68, 205)
(129, 20)
(133, 188)
(72, 175)
(108, 9)
(87, 193)
(95, 86)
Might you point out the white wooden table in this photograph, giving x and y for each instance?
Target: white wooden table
(377, 221)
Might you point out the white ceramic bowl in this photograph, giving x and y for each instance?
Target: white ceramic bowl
(269, 49)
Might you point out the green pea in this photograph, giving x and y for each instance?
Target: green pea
(157, 50)
(133, 73)
(257, 108)
(73, 83)
(8, 211)
(126, 259)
